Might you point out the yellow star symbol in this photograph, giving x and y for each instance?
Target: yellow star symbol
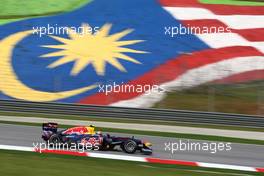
(93, 48)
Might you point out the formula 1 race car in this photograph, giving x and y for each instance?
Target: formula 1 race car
(130, 145)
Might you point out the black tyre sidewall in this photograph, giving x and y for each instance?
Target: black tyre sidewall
(54, 137)
(125, 146)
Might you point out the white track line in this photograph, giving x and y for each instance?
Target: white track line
(220, 166)
(117, 157)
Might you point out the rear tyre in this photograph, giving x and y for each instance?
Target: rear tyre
(129, 146)
(54, 139)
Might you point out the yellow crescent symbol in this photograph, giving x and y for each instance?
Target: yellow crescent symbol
(13, 87)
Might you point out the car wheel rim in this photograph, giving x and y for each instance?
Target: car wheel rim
(130, 146)
(55, 140)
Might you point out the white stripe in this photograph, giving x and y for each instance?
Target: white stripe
(117, 157)
(233, 21)
(18, 148)
(198, 76)
(225, 166)
(220, 40)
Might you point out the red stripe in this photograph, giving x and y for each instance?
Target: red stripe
(62, 152)
(172, 69)
(242, 77)
(216, 8)
(260, 169)
(174, 162)
(253, 35)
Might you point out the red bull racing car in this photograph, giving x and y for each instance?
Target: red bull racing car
(81, 136)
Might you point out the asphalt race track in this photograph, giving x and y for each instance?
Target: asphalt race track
(241, 154)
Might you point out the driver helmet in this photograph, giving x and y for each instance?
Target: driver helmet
(90, 129)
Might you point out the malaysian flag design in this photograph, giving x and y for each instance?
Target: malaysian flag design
(131, 47)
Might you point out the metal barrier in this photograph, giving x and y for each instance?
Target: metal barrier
(192, 117)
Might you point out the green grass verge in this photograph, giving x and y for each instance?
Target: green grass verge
(241, 98)
(235, 2)
(17, 9)
(13, 10)
(161, 134)
(5, 21)
(31, 164)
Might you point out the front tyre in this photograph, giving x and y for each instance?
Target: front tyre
(129, 146)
